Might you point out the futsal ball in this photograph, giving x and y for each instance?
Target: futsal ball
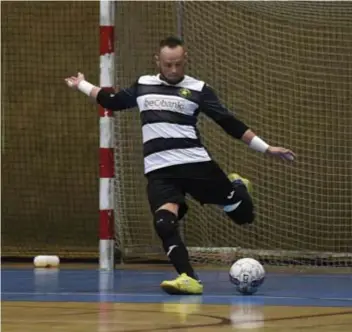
(247, 274)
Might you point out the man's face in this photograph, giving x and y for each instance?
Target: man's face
(171, 63)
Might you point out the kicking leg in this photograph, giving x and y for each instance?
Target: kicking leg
(213, 186)
(166, 226)
(240, 206)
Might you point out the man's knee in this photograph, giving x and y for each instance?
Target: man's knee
(165, 223)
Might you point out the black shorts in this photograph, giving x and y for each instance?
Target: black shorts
(205, 182)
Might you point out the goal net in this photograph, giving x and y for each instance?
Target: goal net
(50, 135)
(285, 69)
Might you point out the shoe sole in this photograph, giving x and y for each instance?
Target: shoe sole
(175, 291)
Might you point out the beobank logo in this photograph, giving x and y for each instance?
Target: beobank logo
(162, 104)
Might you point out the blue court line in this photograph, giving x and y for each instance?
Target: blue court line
(133, 286)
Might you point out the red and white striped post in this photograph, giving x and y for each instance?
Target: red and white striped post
(106, 151)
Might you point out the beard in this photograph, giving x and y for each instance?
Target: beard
(171, 80)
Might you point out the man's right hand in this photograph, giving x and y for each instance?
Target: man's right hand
(73, 81)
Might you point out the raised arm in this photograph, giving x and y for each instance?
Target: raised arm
(211, 106)
(125, 98)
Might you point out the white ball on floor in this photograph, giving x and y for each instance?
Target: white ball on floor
(247, 274)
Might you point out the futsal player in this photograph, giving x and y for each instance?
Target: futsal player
(175, 161)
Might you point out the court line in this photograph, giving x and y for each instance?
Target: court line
(345, 275)
(257, 297)
(69, 271)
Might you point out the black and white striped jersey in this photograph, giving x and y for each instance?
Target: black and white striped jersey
(169, 117)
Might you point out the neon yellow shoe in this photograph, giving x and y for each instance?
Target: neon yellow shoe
(234, 177)
(182, 285)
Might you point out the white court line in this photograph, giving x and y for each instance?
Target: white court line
(85, 294)
(79, 271)
(162, 295)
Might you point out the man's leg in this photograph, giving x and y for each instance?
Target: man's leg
(240, 206)
(229, 192)
(168, 206)
(166, 226)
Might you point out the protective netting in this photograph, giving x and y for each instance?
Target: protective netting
(50, 135)
(286, 69)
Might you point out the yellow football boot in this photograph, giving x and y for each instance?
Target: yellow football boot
(234, 177)
(182, 285)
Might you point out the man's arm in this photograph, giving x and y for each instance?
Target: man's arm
(212, 107)
(125, 98)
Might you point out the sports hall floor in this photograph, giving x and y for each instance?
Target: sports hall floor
(74, 298)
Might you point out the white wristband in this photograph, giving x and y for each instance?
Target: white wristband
(258, 144)
(85, 87)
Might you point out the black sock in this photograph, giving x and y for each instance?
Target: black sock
(166, 225)
(179, 258)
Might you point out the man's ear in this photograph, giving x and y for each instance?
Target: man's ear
(157, 60)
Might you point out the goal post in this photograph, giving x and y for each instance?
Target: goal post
(106, 147)
(284, 69)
